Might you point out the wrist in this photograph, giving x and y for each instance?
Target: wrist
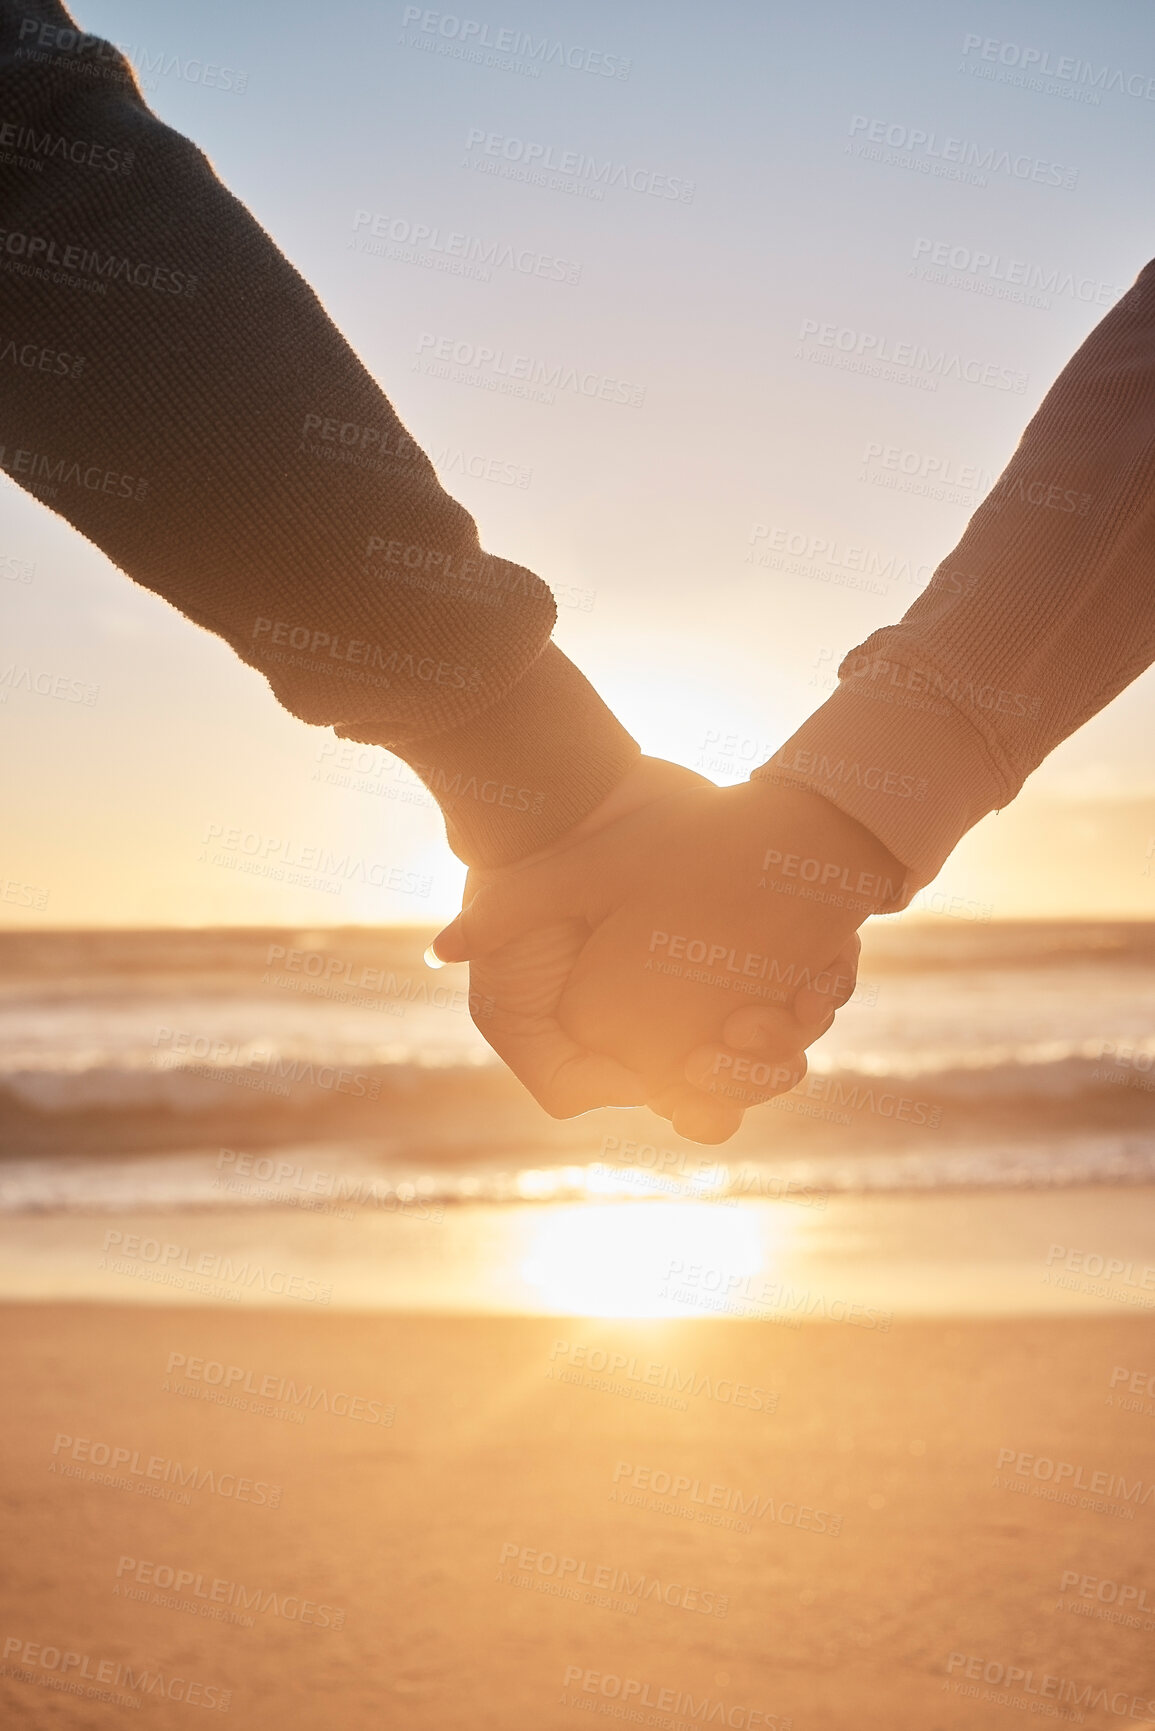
(646, 779)
(819, 852)
(917, 781)
(514, 779)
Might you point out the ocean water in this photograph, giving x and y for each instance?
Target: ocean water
(320, 1070)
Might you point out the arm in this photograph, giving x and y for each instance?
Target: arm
(181, 437)
(186, 447)
(1041, 615)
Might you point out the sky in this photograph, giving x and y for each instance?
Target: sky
(717, 542)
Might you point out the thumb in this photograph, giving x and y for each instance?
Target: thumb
(520, 900)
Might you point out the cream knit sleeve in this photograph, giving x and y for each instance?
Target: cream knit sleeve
(1041, 615)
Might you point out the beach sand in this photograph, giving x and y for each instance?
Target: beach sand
(506, 1448)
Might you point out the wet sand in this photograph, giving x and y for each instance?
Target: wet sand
(487, 1507)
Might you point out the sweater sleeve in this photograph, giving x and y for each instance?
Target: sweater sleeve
(177, 392)
(1041, 615)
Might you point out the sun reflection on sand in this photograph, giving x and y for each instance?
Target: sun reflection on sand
(623, 1259)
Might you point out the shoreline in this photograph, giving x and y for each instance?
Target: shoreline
(861, 1260)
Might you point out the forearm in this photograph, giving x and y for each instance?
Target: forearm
(191, 446)
(1042, 614)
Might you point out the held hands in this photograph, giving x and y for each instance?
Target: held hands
(681, 946)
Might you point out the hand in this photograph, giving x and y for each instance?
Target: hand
(588, 952)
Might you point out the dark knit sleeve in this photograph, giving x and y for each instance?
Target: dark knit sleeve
(190, 408)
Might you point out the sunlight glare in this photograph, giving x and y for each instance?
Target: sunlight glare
(628, 1259)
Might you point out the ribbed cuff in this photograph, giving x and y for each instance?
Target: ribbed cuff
(520, 774)
(911, 769)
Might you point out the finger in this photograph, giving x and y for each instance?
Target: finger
(770, 1031)
(716, 1071)
(562, 1076)
(663, 1103)
(519, 902)
(714, 1120)
(700, 1119)
(816, 1008)
(583, 1081)
(513, 1003)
